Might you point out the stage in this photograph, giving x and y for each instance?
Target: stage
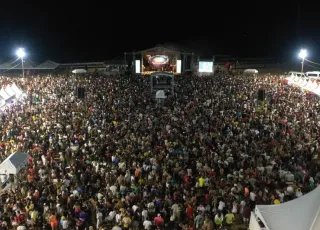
(148, 73)
(159, 59)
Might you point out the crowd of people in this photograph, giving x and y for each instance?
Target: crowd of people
(118, 159)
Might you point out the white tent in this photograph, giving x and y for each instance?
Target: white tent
(10, 91)
(2, 102)
(16, 89)
(250, 71)
(4, 94)
(160, 94)
(14, 163)
(79, 71)
(47, 65)
(302, 213)
(10, 94)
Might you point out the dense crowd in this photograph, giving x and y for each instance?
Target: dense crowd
(118, 159)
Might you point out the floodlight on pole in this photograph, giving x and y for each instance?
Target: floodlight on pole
(21, 54)
(303, 54)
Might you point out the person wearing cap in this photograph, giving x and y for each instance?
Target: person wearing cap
(64, 223)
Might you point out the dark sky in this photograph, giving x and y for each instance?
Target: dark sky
(96, 31)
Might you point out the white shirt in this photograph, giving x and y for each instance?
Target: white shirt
(65, 224)
(3, 178)
(290, 190)
(75, 193)
(252, 196)
(201, 208)
(66, 182)
(151, 207)
(221, 205)
(116, 228)
(99, 216)
(144, 214)
(134, 208)
(113, 189)
(112, 214)
(234, 208)
(118, 218)
(21, 228)
(281, 196)
(147, 224)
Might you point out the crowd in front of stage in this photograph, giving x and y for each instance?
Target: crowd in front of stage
(117, 159)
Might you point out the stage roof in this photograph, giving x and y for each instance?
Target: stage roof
(159, 49)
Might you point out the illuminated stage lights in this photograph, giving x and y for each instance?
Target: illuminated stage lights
(159, 59)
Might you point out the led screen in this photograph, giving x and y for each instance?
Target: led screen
(178, 66)
(158, 59)
(205, 67)
(138, 67)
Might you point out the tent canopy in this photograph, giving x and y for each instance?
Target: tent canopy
(159, 49)
(48, 65)
(6, 65)
(302, 213)
(79, 71)
(4, 94)
(14, 163)
(16, 89)
(160, 94)
(250, 71)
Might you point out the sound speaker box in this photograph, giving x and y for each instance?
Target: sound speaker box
(80, 92)
(261, 95)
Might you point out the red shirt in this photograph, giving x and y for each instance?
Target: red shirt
(31, 171)
(158, 220)
(189, 212)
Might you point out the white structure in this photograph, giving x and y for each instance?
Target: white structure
(14, 163)
(10, 94)
(79, 71)
(160, 94)
(305, 84)
(302, 213)
(250, 71)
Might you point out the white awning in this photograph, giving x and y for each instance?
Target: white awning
(14, 163)
(302, 213)
(79, 71)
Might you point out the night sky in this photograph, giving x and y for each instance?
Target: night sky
(104, 31)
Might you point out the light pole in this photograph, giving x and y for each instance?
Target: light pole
(302, 55)
(21, 54)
